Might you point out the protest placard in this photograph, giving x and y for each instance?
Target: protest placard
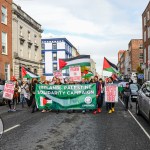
(111, 93)
(75, 73)
(8, 91)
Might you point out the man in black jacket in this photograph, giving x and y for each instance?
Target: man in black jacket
(126, 95)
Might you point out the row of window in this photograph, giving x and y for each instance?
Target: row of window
(54, 47)
(29, 34)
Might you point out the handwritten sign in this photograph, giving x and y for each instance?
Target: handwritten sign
(8, 91)
(58, 74)
(75, 73)
(111, 93)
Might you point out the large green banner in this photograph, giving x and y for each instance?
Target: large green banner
(65, 97)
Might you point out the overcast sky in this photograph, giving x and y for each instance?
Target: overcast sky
(96, 27)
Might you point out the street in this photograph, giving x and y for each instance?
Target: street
(75, 131)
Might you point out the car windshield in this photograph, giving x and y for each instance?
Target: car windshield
(134, 87)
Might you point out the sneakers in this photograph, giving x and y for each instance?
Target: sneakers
(95, 112)
(13, 110)
(113, 110)
(110, 111)
(99, 110)
(83, 111)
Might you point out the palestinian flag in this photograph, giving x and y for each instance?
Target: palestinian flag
(81, 60)
(87, 74)
(28, 74)
(45, 101)
(108, 66)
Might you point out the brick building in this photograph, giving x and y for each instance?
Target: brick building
(120, 53)
(6, 39)
(146, 40)
(135, 48)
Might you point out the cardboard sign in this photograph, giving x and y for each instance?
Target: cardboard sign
(75, 73)
(59, 74)
(8, 91)
(111, 93)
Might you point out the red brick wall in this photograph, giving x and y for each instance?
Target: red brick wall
(135, 53)
(8, 29)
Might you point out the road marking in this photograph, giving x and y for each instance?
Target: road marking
(137, 122)
(18, 125)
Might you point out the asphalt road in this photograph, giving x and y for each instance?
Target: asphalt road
(75, 131)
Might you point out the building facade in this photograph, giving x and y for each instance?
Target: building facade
(146, 41)
(127, 64)
(52, 50)
(26, 38)
(135, 48)
(6, 69)
(93, 67)
(120, 53)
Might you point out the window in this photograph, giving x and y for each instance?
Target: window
(43, 57)
(29, 53)
(35, 71)
(29, 36)
(145, 55)
(144, 36)
(148, 15)
(54, 46)
(4, 15)
(21, 28)
(54, 56)
(35, 38)
(29, 45)
(43, 46)
(144, 21)
(148, 32)
(4, 43)
(54, 67)
(21, 51)
(149, 52)
(141, 55)
(7, 71)
(35, 55)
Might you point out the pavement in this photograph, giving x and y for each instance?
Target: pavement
(24, 130)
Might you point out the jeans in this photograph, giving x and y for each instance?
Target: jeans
(22, 99)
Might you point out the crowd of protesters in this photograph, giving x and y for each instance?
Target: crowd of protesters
(24, 92)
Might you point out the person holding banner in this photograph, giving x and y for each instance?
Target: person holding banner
(110, 105)
(98, 94)
(102, 92)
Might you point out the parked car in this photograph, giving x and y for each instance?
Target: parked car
(134, 91)
(2, 101)
(143, 101)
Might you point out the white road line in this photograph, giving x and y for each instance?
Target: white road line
(137, 122)
(11, 128)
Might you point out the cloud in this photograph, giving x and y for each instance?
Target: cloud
(99, 28)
